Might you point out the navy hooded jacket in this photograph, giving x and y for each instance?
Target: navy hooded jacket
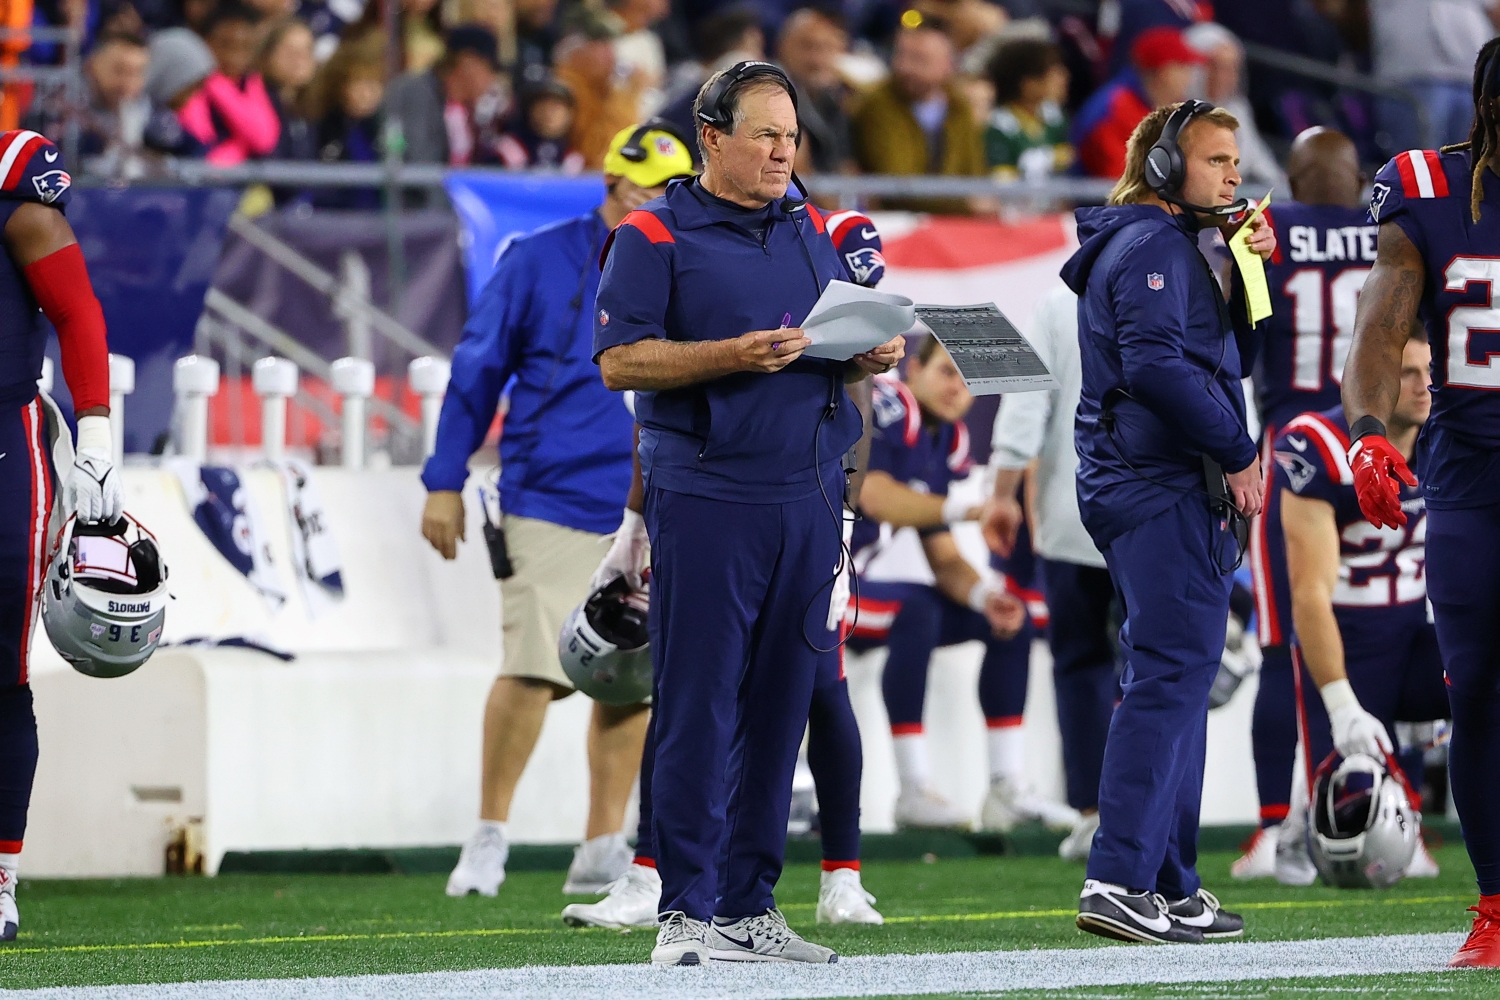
(1161, 354)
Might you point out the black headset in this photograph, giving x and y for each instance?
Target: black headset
(1166, 168)
(635, 150)
(714, 110)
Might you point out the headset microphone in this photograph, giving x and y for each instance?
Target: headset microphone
(1166, 167)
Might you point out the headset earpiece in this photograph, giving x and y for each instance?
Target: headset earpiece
(714, 112)
(1166, 168)
(634, 149)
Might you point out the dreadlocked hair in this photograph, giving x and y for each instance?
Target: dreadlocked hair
(1484, 134)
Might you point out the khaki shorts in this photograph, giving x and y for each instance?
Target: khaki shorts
(553, 565)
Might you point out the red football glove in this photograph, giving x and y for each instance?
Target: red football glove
(1377, 465)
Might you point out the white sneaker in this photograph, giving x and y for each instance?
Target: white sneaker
(1292, 863)
(10, 917)
(632, 902)
(1259, 859)
(1423, 864)
(1011, 803)
(843, 900)
(925, 809)
(764, 937)
(597, 864)
(1077, 844)
(681, 941)
(481, 864)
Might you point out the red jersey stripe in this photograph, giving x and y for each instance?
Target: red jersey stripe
(817, 218)
(1435, 170)
(1408, 176)
(18, 165)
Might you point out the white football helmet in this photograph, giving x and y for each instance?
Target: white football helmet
(1364, 830)
(604, 647)
(105, 596)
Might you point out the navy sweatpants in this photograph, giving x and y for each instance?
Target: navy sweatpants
(1084, 670)
(1463, 584)
(914, 619)
(1273, 733)
(26, 490)
(739, 600)
(835, 757)
(1391, 657)
(1173, 575)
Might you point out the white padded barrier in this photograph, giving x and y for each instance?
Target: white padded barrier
(194, 379)
(121, 384)
(371, 737)
(275, 381)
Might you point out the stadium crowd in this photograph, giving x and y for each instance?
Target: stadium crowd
(1010, 88)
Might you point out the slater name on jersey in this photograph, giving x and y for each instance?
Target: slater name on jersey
(1308, 244)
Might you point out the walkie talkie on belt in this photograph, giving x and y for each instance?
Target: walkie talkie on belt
(1223, 501)
(494, 542)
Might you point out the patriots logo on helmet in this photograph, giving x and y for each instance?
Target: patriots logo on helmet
(666, 146)
(1156, 282)
(864, 264)
(51, 185)
(1378, 195)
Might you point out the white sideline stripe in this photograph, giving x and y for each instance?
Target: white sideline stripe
(884, 975)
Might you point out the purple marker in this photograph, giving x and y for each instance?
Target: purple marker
(786, 321)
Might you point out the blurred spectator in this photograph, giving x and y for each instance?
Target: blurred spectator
(639, 49)
(421, 34)
(1027, 135)
(271, 11)
(1429, 48)
(195, 14)
(453, 112)
(180, 62)
(918, 122)
(971, 24)
(1224, 86)
(536, 37)
(1162, 74)
(232, 115)
(329, 19)
(287, 65)
(1133, 18)
(727, 36)
(542, 137)
(605, 103)
(344, 103)
(812, 41)
(113, 121)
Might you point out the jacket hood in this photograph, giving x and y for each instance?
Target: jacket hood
(1096, 226)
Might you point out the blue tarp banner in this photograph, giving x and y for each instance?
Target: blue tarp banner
(151, 254)
(493, 210)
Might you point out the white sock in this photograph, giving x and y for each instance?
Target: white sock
(1007, 752)
(9, 863)
(911, 760)
(495, 825)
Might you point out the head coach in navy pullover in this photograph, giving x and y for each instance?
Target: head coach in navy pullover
(1167, 472)
(741, 449)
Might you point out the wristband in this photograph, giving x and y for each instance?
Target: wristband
(1366, 424)
(955, 509)
(979, 594)
(1338, 695)
(94, 434)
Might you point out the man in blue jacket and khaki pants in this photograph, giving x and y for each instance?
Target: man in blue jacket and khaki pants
(564, 473)
(1168, 478)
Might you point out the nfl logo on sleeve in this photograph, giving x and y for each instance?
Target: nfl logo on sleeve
(1155, 282)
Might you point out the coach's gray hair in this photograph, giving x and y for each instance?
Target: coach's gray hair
(731, 102)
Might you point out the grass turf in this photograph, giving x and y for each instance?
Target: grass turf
(258, 926)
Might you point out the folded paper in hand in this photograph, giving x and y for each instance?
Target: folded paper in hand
(850, 319)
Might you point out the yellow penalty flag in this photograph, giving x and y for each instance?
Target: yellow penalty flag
(1252, 268)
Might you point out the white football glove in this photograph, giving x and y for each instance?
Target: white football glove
(629, 555)
(1354, 729)
(93, 487)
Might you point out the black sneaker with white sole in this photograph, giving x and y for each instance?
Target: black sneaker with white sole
(1202, 911)
(1114, 911)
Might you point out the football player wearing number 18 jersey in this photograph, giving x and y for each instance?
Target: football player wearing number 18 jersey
(1324, 249)
(1439, 260)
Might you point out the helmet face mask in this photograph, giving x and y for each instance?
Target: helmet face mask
(104, 598)
(1364, 830)
(604, 647)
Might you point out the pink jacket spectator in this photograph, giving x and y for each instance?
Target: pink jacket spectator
(236, 122)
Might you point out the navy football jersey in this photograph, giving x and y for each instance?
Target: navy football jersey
(31, 169)
(1427, 195)
(1378, 567)
(925, 459)
(1323, 255)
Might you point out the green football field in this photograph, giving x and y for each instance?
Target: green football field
(237, 927)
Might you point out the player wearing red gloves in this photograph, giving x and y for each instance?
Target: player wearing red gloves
(1439, 262)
